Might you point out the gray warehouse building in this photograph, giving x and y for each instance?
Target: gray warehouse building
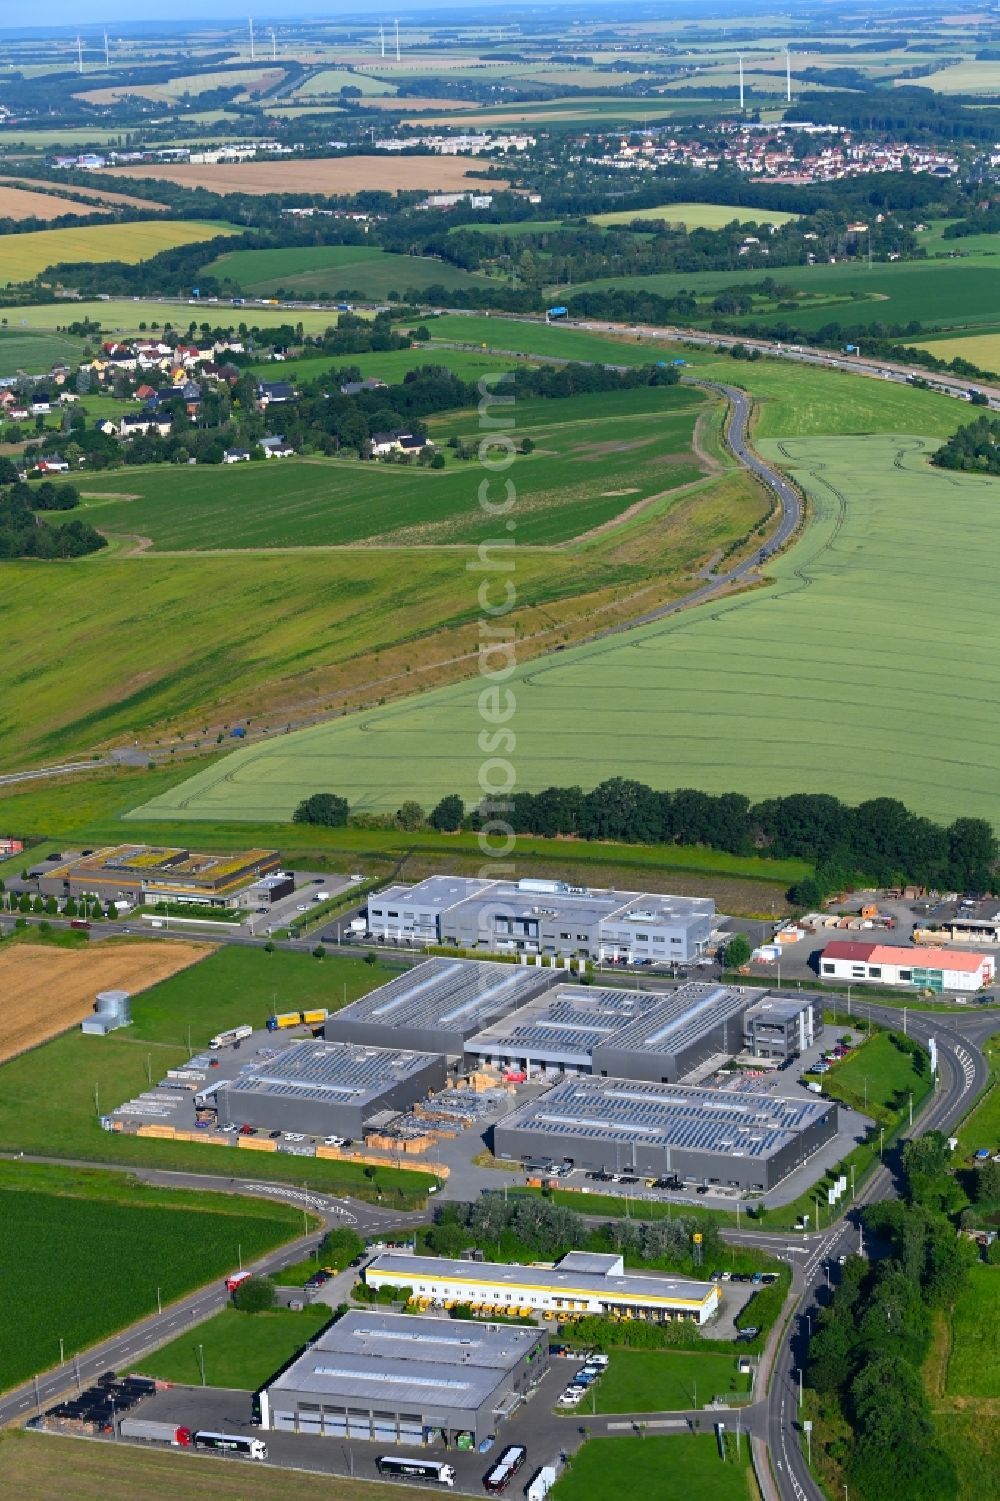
(633, 1034)
(543, 917)
(742, 1140)
(781, 1026)
(436, 1006)
(402, 1379)
(324, 1089)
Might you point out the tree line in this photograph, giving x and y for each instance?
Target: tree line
(871, 1340)
(879, 841)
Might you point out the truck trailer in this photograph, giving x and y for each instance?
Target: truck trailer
(231, 1038)
(152, 1432)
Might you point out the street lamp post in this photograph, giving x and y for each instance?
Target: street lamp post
(62, 1353)
(201, 1362)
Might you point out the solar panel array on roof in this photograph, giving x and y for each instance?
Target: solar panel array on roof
(449, 994)
(681, 1018)
(331, 1072)
(567, 1023)
(667, 1115)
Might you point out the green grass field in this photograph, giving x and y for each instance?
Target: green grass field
(23, 257)
(230, 986)
(362, 271)
(674, 1469)
(536, 338)
(44, 1467)
(241, 1350)
(937, 293)
(663, 1381)
(32, 352)
(873, 1077)
(822, 680)
(390, 365)
(570, 484)
(697, 215)
(974, 1359)
(64, 1232)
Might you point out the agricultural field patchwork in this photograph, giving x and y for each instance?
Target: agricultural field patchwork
(573, 481)
(821, 680)
(22, 203)
(23, 257)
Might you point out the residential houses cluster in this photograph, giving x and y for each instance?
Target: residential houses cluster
(767, 153)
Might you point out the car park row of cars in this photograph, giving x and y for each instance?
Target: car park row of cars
(593, 1368)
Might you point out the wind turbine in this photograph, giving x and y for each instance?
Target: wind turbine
(107, 54)
(381, 37)
(79, 54)
(274, 46)
(397, 41)
(788, 75)
(253, 54)
(741, 83)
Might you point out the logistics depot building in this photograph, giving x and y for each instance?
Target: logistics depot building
(396, 1378)
(581, 1283)
(740, 1139)
(921, 968)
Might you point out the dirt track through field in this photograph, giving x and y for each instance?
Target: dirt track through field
(44, 990)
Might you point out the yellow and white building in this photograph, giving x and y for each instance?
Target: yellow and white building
(581, 1283)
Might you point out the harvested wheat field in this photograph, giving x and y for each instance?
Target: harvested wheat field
(20, 203)
(44, 990)
(333, 175)
(97, 194)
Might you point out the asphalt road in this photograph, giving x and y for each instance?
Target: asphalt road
(963, 1075)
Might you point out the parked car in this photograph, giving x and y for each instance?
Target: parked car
(487, 1443)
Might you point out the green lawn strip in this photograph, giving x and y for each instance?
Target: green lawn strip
(81, 1077)
(690, 1467)
(64, 1232)
(974, 1358)
(981, 1128)
(663, 1381)
(241, 1350)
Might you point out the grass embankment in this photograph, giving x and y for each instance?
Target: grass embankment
(83, 1254)
(982, 1127)
(607, 1468)
(46, 1468)
(240, 1350)
(51, 1097)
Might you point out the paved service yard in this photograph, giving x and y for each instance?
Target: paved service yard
(543, 1433)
